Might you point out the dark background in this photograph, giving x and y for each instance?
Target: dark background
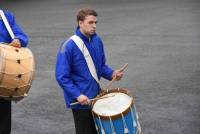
(158, 38)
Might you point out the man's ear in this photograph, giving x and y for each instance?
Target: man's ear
(80, 23)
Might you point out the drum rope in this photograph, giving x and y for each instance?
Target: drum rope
(2, 96)
(95, 122)
(139, 129)
(21, 80)
(112, 126)
(2, 66)
(16, 96)
(26, 68)
(6, 87)
(18, 58)
(31, 77)
(125, 125)
(33, 65)
(8, 73)
(102, 130)
(134, 118)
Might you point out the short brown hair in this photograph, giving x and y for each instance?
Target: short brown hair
(82, 13)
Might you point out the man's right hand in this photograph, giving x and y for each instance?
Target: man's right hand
(83, 100)
(15, 43)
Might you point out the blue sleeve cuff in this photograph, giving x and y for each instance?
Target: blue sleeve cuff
(107, 73)
(110, 74)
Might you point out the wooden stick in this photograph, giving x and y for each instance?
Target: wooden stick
(121, 70)
(124, 67)
(103, 97)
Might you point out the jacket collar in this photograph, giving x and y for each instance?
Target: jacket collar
(82, 36)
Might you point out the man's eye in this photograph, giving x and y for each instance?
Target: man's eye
(93, 22)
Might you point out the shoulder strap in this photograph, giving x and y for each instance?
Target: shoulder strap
(5, 21)
(79, 42)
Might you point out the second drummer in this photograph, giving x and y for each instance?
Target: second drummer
(78, 79)
(20, 40)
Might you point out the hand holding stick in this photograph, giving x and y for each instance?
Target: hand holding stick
(120, 70)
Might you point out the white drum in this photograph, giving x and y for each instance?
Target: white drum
(115, 113)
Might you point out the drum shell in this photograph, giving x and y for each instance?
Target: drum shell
(17, 68)
(116, 122)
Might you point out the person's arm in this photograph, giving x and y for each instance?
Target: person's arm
(63, 72)
(106, 70)
(21, 39)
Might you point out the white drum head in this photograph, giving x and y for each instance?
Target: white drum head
(116, 104)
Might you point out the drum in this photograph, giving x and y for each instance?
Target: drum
(115, 113)
(16, 71)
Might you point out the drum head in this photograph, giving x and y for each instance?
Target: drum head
(117, 103)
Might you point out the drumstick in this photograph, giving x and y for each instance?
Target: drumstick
(121, 70)
(103, 97)
(124, 67)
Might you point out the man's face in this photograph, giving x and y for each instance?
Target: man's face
(88, 26)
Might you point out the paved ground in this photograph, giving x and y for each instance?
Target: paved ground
(158, 38)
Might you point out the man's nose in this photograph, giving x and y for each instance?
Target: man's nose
(94, 25)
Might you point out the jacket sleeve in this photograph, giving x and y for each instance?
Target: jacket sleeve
(106, 70)
(63, 72)
(19, 34)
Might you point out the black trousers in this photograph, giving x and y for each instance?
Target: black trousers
(84, 122)
(5, 116)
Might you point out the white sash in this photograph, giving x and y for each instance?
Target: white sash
(79, 42)
(5, 21)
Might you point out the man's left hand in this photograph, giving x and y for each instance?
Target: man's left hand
(15, 43)
(117, 75)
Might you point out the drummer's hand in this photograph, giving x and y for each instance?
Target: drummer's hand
(117, 75)
(15, 43)
(83, 100)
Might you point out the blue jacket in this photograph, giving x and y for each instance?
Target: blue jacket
(72, 72)
(19, 34)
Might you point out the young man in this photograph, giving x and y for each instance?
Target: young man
(74, 73)
(20, 40)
